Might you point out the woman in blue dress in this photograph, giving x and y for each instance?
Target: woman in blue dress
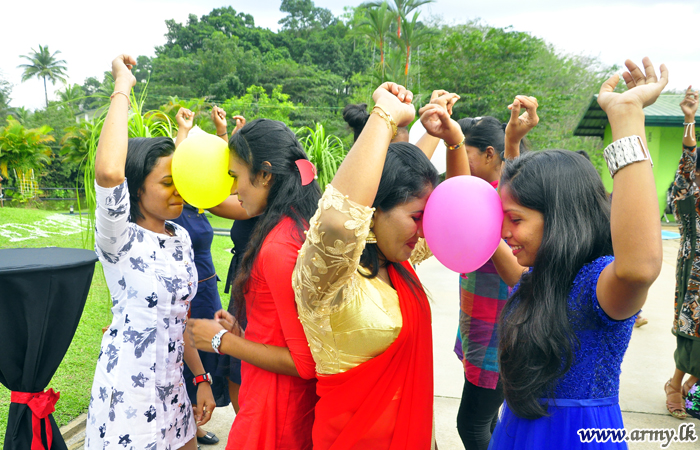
(565, 328)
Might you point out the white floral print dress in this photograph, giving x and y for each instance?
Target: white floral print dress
(138, 399)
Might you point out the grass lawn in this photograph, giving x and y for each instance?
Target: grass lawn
(37, 228)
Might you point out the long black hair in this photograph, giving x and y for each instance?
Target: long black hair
(264, 140)
(537, 343)
(487, 131)
(407, 174)
(142, 155)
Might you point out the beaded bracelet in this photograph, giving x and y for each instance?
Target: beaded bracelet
(456, 146)
(390, 123)
(122, 93)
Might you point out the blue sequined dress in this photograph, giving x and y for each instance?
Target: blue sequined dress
(587, 396)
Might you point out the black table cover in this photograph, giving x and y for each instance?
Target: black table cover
(42, 295)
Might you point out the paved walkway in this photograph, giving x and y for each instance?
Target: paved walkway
(646, 367)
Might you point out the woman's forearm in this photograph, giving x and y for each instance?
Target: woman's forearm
(110, 157)
(268, 357)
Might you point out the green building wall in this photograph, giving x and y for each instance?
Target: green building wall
(665, 148)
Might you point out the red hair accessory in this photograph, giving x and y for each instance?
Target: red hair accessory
(307, 171)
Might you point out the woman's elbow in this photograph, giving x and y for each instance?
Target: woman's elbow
(643, 273)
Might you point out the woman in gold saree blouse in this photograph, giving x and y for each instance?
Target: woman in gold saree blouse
(364, 312)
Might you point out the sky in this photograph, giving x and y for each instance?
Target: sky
(89, 33)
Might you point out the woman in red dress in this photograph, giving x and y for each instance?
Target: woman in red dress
(274, 180)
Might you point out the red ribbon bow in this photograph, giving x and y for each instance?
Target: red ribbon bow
(41, 404)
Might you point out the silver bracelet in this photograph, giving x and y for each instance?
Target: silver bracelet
(625, 151)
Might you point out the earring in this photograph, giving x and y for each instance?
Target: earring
(371, 237)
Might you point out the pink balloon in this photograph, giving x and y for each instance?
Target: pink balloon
(462, 223)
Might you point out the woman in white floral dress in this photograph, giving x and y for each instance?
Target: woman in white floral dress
(138, 399)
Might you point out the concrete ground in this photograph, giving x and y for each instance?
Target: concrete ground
(647, 365)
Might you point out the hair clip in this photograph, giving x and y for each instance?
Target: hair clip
(307, 171)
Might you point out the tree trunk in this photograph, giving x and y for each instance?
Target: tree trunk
(381, 50)
(46, 96)
(408, 58)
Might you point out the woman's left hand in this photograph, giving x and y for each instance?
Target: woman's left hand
(643, 89)
(201, 331)
(205, 404)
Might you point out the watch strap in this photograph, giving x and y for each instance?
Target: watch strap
(216, 341)
(200, 378)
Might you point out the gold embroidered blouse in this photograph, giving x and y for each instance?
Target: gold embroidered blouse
(348, 319)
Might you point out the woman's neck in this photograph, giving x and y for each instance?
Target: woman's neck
(155, 225)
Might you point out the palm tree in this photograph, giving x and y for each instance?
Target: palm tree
(415, 34)
(376, 26)
(401, 8)
(43, 64)
(24, 148)
(72, 94)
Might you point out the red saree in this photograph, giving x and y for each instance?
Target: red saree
(386, 402)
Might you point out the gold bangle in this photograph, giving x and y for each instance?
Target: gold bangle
(124, 94)
(390, 123)
(456, 146)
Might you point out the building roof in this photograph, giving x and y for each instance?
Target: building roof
(665, 112)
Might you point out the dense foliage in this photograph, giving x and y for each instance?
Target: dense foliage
(305, 73)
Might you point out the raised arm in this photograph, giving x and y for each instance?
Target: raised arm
(519, 124)
(114, 138)
(185, 122)
(689, 106)
(634, 220)
(684, 183)
(439, 124)
(359, 174)
(218, 116)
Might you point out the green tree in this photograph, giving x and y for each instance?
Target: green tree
(75, 143)
(71, 97)
(414, 35)
(256, 103)
(5, 92)
(502, 63)
(376, 27)
(44, 64)
(401, 9)
(23, 148)
(304, 15)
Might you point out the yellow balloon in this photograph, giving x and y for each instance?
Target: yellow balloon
(200, 170)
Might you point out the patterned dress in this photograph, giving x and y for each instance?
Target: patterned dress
(686, 201)
(138, 399)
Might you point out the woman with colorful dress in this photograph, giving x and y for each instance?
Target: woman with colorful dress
(686, 321)
(274, 180)
(138, 397)
(566, 327)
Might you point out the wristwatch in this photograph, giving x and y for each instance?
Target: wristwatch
(216, 341)
(203, 377)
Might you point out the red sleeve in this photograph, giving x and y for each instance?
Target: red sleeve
(278, 260)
